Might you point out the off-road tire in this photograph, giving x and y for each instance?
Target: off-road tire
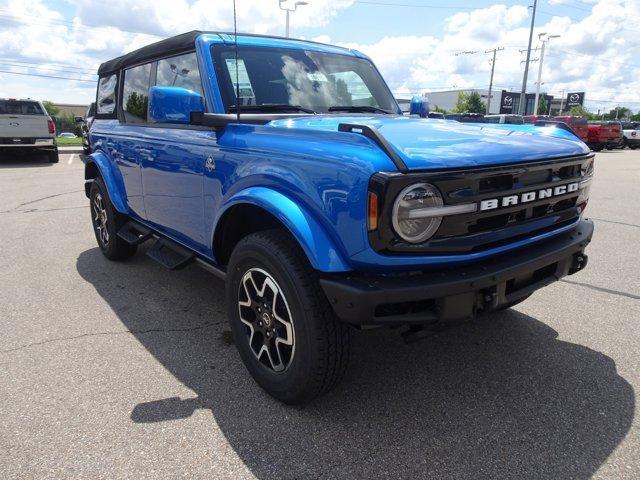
(114, 248)
(321, 342)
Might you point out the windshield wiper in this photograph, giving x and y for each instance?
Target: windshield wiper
(358, 109)
(270, 107)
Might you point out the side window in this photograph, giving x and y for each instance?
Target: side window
(106, 98)
(181, 71)
(135, 93)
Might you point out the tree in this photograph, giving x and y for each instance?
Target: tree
(438, 109)
(476, 105)
(470, 103)
(51, 108)
(462, 105)
(580, 111)
(542, 106)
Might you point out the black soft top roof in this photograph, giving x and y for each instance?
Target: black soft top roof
(167, 47)
(177, 44)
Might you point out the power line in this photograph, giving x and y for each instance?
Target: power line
(65, 23)
(47, 76)
(52, 64)
(42, 67)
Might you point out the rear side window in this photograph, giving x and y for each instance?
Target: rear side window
(106, 98)
(492, 119)
(20, 107)
(135, 93)
(181, 71)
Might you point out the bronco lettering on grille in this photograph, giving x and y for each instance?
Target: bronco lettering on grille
(510, 200)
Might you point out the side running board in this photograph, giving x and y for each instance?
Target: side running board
(164, 250)
(134, 234)
(170, 254)
(374, 134)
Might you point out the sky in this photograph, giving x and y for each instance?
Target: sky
(418, 45)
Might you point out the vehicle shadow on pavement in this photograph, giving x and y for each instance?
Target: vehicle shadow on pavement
(24, 161)
(500, 397)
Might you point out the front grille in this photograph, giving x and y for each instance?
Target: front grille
(485, 229)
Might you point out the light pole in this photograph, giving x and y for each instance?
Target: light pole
(523, 93)
(544, 42)
(493, 66)
(283, 6)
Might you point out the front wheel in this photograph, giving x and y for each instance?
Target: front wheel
(283, 326)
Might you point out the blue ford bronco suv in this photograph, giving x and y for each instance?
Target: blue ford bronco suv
(286, 168)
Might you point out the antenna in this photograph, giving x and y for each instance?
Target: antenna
(235, 34)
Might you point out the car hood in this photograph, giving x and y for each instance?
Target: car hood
(434, 144)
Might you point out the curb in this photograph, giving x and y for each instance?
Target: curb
(70, 150)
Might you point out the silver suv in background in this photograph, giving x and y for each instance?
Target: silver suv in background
(25, 126)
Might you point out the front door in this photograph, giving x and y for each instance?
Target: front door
(174, 162)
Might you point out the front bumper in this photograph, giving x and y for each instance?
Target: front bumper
(458, 292)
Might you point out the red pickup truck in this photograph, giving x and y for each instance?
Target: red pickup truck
(578, 124)
(605, 135)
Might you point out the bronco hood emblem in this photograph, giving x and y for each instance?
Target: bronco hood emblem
(510, 200)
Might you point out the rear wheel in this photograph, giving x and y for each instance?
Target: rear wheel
(106, 221)
(283, 326)
(53, 157)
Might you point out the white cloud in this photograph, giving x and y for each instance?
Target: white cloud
(596, 53)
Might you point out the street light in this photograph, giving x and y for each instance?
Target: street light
(289, 10)
(538, 83)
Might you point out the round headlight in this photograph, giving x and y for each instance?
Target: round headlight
(412, 219)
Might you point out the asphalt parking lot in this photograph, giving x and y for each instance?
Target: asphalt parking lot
(125, 370)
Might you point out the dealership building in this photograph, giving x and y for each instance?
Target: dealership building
(503, 101)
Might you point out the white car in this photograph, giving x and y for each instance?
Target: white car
(67, 135)
(26, 126)
(631, 133)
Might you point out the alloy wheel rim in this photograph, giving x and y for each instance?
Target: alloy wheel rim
(100, 219)
(267, 319)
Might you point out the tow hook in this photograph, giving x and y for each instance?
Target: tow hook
(578, 263)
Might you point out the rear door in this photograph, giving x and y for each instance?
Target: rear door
(22, 121)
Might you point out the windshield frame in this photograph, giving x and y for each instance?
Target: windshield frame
(228, 101)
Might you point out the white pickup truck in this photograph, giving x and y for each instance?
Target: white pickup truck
(25, 126)
(631, 132)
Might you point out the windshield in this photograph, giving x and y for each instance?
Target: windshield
(314, 81)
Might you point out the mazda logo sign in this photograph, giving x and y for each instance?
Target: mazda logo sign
(574, 98)
(508, 100)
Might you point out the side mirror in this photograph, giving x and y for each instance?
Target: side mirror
(173, 104)
(419, 106)
(78, 119)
